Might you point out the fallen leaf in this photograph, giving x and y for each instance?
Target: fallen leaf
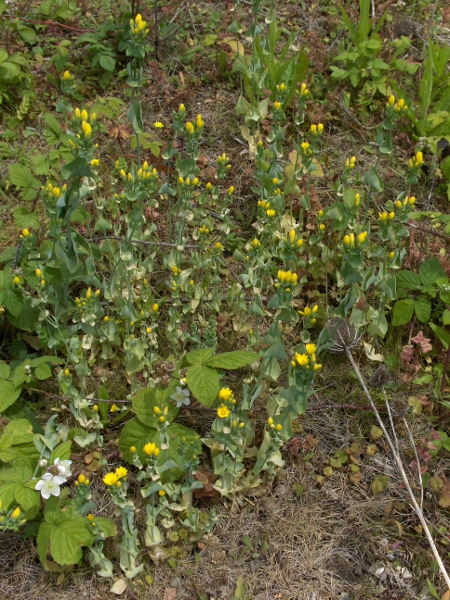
(169, 593)
(379, 484)
(119, 587)
(207, 478)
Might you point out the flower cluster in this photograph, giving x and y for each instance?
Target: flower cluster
(351, 240)
(397, 105)
(151, 450)
(304, 365)
(138, 28)
(287, 279)
(228, 401)
(115, 478)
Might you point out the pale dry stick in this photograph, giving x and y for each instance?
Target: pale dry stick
(411, 439)
(398, 460)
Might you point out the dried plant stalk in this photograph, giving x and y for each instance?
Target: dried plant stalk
(395, 452)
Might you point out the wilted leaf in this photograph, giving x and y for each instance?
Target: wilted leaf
(379, 484)
(119, 587)
(375, 432)
(169, 593)
(207, 478)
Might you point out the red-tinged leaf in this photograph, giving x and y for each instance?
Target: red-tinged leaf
(422, 342)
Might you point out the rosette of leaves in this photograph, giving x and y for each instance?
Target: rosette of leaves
(203, 381)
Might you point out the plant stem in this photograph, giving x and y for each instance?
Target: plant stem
(417, 509)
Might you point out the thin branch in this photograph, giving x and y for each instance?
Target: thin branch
(417, 509)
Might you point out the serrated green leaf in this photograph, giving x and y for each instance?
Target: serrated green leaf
(203, 382)
(200, 357)
(232, 360)
(5, 371)
(403, 312)
(6, 441)
(24, 219)
(43, 541)
(26, 498)
(67, 539)
(12, 302)
(22, 431)
(8, 394)
(107, 62)
(407, 280)
(430, 271)
(422, 308)
(22, 177)
(43, 372)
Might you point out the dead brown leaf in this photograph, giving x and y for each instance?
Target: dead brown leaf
(207, 478)
(169, 593)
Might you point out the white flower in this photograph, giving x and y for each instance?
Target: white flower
(49, 485)
(181, 397)
(63, 467)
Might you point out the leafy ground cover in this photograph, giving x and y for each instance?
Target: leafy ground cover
(225, 300)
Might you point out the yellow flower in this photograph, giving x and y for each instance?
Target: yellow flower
(223, 412)
(225, 394)
(121, 472)
(277, 105)
(383, 216)
(181, 108)
(155, 307)
(66, 75)
(16, 280)
(158, 125)
(114, 408)
(270, 421)
(279, 427)
(133, 449)
(310, 348)
(84, 115)
(87, 129)
(81, 478)
(161, 493)
(317, 367)
(16, 513)
(95, 162)
(391, 100)
(151, 449)
(110, 479)
(199, 122)
(301, 359)
(271, 213)
(322, 227)
(189, 128)
(25, 233)
(90, 517)
(138, 19)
